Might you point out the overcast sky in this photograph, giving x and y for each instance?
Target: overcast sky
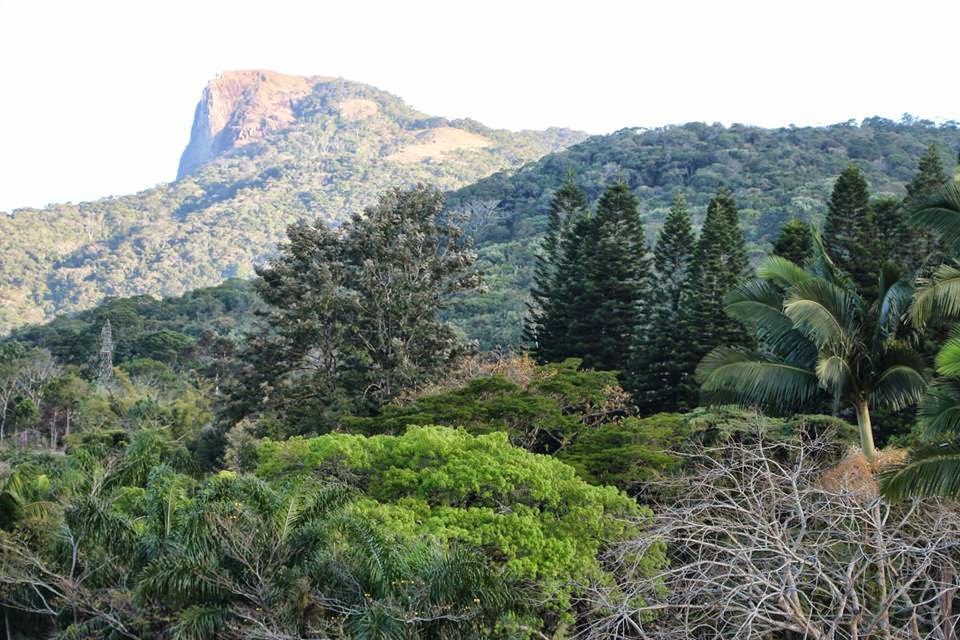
(97, 97)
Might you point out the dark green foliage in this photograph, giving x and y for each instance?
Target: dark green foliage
(814, 332)
(850, 232)
(794, 243)
(192, 331)
(545, 325)
(656, 374)
(543, 415)
(896, 239)
(926, 249)
(775, 175)
(636, 453)
(353, 313)
(592, 312)
(630, 453)
(719, 263)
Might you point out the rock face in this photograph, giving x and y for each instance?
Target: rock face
(266, 149)
(238, 107)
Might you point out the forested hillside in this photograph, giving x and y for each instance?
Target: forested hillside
(285, 148)
(316, 453)
(773, 174)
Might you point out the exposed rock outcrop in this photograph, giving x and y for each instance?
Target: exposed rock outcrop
(238, 107)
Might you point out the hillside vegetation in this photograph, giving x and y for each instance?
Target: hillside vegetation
(773, 174)
(276, 154)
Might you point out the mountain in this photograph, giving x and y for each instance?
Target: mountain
(265, 149)
(774, 174)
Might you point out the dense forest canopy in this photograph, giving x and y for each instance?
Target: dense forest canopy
(692, 382)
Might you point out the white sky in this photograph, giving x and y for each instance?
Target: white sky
(96, 98)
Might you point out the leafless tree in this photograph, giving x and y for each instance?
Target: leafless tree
(478, 216)
(768, 540)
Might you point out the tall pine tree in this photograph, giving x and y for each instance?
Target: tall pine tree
(613, 287)
(545, 327)
(795, 242)
(926, 252)
(850, 233)
(656, 375)
(719, 262)
(602, 264)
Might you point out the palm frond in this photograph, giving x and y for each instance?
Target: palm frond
(899, 386)
(781, 271)
(937, 297)
(940, 408)
(822, 266)
(833, 373)
(930, 471)
(199, 623)
(758, 305)
(750, 378)
(941, 214)
(822, 311)
(894, 302)
(948, 359)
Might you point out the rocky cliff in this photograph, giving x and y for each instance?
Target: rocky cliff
(265, 150)
(238, 107)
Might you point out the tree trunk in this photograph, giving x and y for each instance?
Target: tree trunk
(866, 430)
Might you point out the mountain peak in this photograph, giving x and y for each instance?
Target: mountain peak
(238, 107)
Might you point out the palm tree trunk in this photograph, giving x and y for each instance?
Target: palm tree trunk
(866, 430)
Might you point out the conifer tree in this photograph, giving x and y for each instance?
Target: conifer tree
(795, 242)
(719, 262)
(612, 276)
(655, 374)
(850, 232)
(545, 327)
(897, 241)
(593, 307)
(926, 252)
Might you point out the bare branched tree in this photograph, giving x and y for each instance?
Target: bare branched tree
(768, 540)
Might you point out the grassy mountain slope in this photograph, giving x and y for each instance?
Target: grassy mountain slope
(774, 174)
(266, 150)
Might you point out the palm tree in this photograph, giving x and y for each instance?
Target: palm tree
(941, 214)
(816, 333)
(295, 561)
(933, 469)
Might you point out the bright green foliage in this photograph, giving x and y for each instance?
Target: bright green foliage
(592, 311)
(630, 453)
(546, 414)
(118, 543)
(356, 309)
(850, 232)
(719, 263)
(546, 325)
(656, 374)
(815, 332)
(794, 243)
(529, 511)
